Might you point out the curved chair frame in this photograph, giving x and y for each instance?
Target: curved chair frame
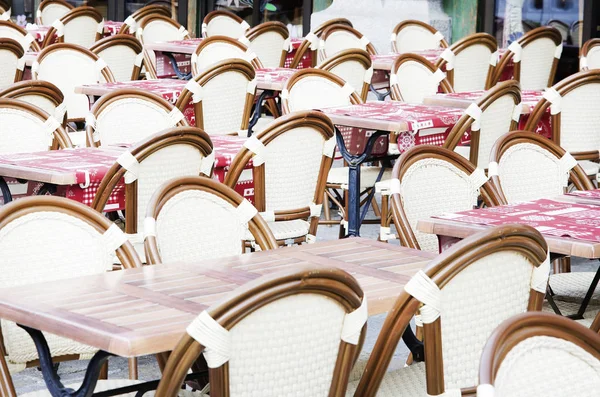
(46, 3)
(33, 46)
(130, 24)
(585, 49)
(122, 39)
(268, 27)
(409, 22)
(333, 283)
(16, 48)
(4, 6)
(257, 226)
(251, 57)
(558, 24)
(311, 41)
(352, 55)
(74, 13)
(395, 92)
(38, 87)
(348, 29)
(574, 33)
(222, 13)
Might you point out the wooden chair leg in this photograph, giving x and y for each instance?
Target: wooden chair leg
(383, 222)
(133, 368)
(161, 359)
(7, 388)
(562, 265)
(326, 213)
(375, 207)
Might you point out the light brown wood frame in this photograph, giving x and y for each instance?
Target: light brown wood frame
(221, 13)
(395, 89)
(524, 41)
(268, 27)
(520, 238)
(333, 283)
(106, 100)
(348, 29)
(120, 40)
(475, 39)
(34, 46)
(356, 55)
(563, 88)
(530, 325)
(142, 150)
(61, 138)
(46, 3)
(413, 22)
(283, 124)
(15, 47)
(585, 49)
(305, 45)
(35, 87)
(4, 7)
(406, 234)
(257, 226)
(256, 64)
(511, 88)
(158, 17)
(73, 14)
(143, 12)
(228, 65)
(304, 73)
(577, 176)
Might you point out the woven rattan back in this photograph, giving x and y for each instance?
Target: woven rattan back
(353, 66)
(413, 78)
(223, 23)
(337, 38)
(270, 41)
(223, 97)
(487, 119)
(589, 57)
(156, 27)
(11, 62)
(463, 295)
(215, 49)
(82, 26)
(320, 311)
(13, 31)
(123, 54)
(527, 355)
(131, 22)
(42, 94)
(526, 166)
(412, 35)
(52, 10)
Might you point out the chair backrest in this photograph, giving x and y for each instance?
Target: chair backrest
(575, 113)
(589, 57)
(562, 27)
(312, 309)
(4, 7)
(465, 293)
(11, 62)
(412, 35)
(299, 145)
(535, 56)
(491, 116)
(270, 41)
(470, 62)
(526, 166)
(27, 128)
(13, 31)
(82, 26)
(318, 31)
(215, 49)
(353, 66)
(42, 94)
(156, 27)
(413, 78)
(128, 116)
(576, 33)
(86, 245)
(223, 97)
(168, 154)
(199, 218)
(68, 66)
(124, 55)
(314, 89)
(52, 10)
(223, 23)
(527, 355)
(337, 38)
(131, 22)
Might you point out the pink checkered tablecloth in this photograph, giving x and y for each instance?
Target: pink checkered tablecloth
(549, 217)
(269, 76)
(590, 194)
(39, 32)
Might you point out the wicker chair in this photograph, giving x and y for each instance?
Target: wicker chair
(52, 10)
(470, 63)
(4, 7)
(462, 296)
(11, 62)
(575, 116)
(215, 49)
(268, 324)
(562, 27)
(197, 218)
(13, 31)
(223, 97)
(576, 33)
(491, 116)
(270, 41)
(337, 38)
(86, 245)
(82, 26)
(171, 153)
(124, 55)
(130, 24)
(223, 23)
(68, 66)
(353, 66)
(127, 116)
(535, 57)
(412, 35)
(527, 356)
(589, 57)
(42, 94)
(299, 144)
(413, 78)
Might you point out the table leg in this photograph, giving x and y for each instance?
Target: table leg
(6, 195)
(588, 296)
(258, 110)
(179, 73)
(380, 95)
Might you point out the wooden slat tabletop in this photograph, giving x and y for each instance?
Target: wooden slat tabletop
(145, 311)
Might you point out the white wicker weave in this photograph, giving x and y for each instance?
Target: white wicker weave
(158, 30)
(593, 58)
(415, 81)
(121, 59)
(11, 32)
(81, 30)
(580, 118)
(218, 51)
(268, 46)
(536, 63)
(416, 38)
(495, 122)
(51, 13)
(339, 41)
(222, 25)
(354, 73)
(407, 382)
(471, 67)
(41, 102)
(21, 132)
(9, 63)
(314, 92)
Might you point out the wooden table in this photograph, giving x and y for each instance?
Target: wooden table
(462, 100)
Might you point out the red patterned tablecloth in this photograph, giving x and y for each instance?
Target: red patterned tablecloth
(39, 32)
(549, 217)
(271, 77)
(588, 194)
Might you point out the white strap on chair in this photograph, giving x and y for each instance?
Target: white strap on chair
(215, 339)
(244, 40)
(60, 28)
(244, 25)
(347, 89)
(207, 164)
(50, 125)
(393, 37)
(385, 233)
(492, 169)
(268, 216)
(26, 41)
(322, 45)
(449, 56)
(475, 112)
(552, 96)
(131, 23)
(438, 36)
(393, 79)
(139, 58)
(249, 55)
(565, 164)
(395, 186)
(485, 390)
(100, 28)
(149, 227)
(284, 94)
(311, 238)
(368, 75)
(196, 90)
(315, 209)
(90, 120)
(204, 29)
(516, 49)
(251, 88)
(113, 238)
(329, 147)
(35, 67)
(516, 116)
(313, 40)
(477, 179)
(354, 323)
(59, 111)
(21, 63)
(287, 45)
(194, 58)
(242, 133)
(364, 41)
(438, 76)
(256, 147)
(131, 165)
(558, 51)
(139, 33)
(494, 58)
(99, 65)
(175, 116)
(583, 62)
(183, 32)
(540, 274)
(246, 211)
(5, 16)
(421, 287)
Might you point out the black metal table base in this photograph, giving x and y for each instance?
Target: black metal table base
(180, 75)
